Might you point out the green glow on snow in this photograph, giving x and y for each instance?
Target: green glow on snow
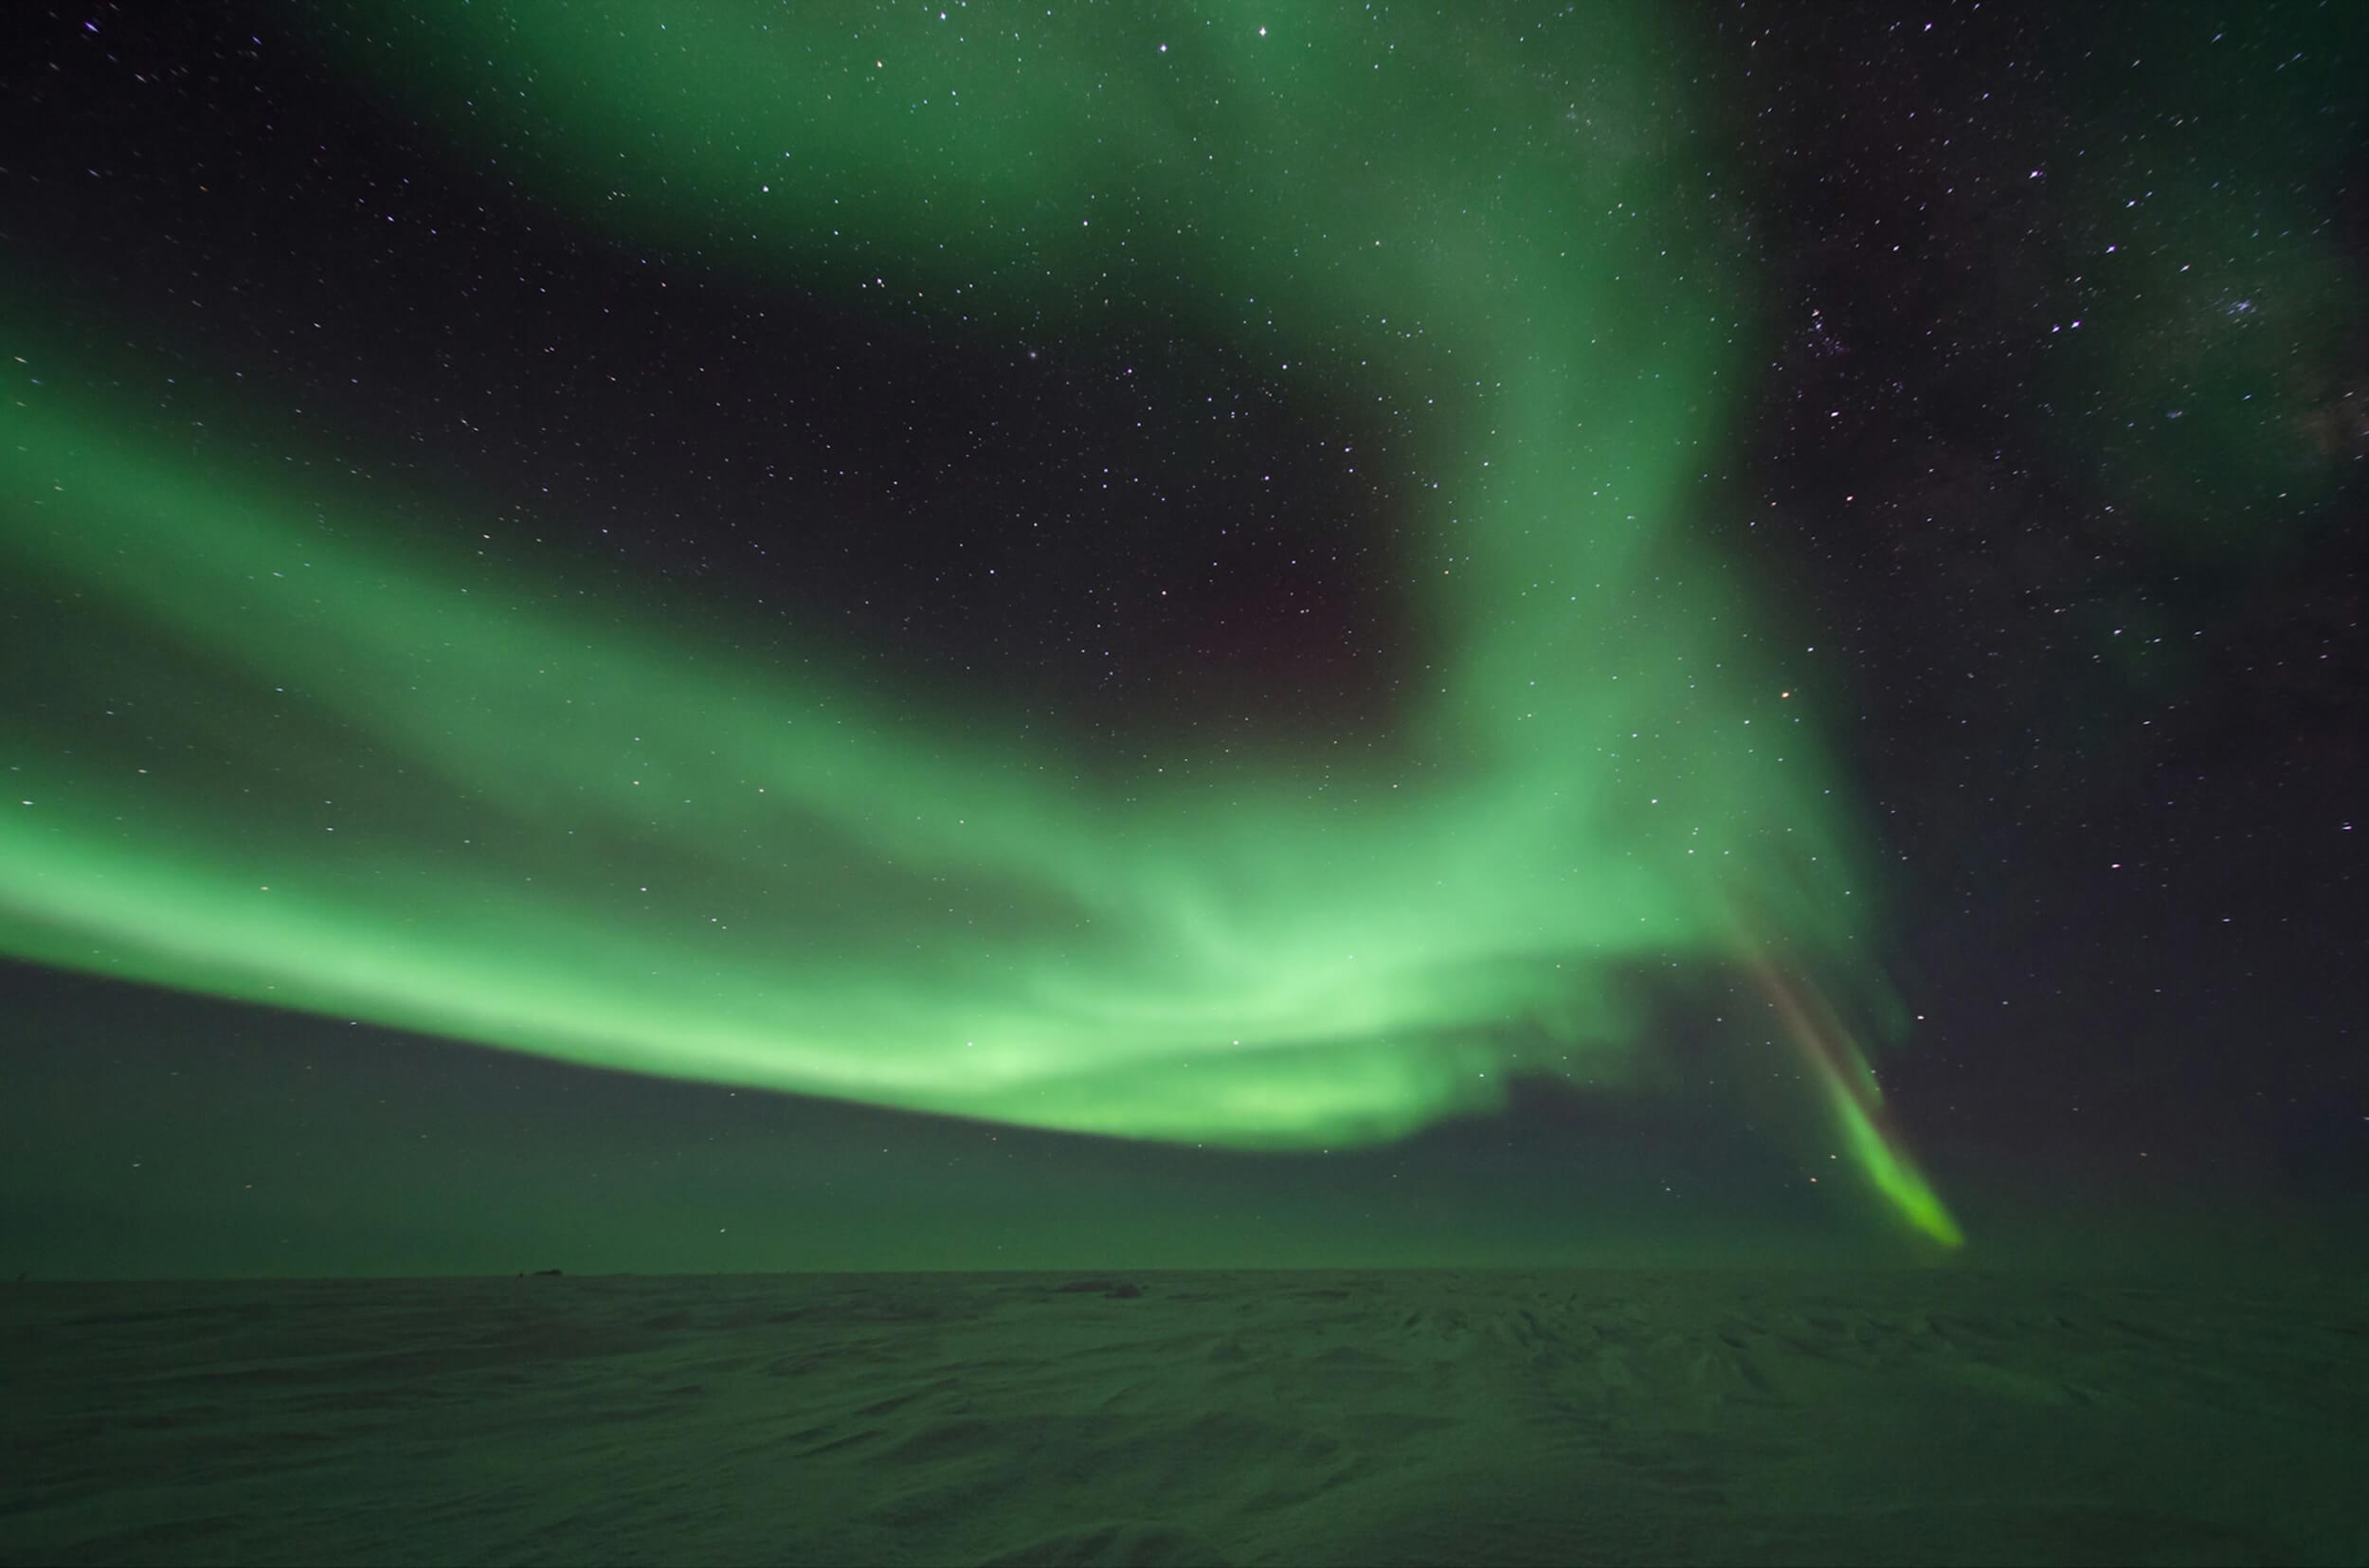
(337, 773)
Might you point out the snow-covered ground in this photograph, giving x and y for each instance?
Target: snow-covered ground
(1926, 1415)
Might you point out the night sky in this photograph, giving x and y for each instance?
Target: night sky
(652, 638)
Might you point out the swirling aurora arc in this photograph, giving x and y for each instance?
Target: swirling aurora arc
(280, 750)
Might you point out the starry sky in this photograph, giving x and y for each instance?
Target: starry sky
(678, 638)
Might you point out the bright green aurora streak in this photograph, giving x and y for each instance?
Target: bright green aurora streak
(282, 757)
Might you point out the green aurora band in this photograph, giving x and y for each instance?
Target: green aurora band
(281, 755)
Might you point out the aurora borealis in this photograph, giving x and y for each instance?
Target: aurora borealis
(1677, 602)
(517, 811)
